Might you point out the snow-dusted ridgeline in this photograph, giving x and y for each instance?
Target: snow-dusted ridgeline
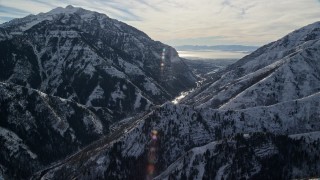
(37, 129)
(280, 71)
(72, 52)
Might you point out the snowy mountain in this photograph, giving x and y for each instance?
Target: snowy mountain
(180, 129)
(256, 119)
(67, 75)
(88, 57)
(280, 71)
(37, 129)
(254, 156)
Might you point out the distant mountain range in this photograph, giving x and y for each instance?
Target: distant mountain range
(238, 48)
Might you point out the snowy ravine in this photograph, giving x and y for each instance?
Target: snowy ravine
(37, 129)
(182, 128)
(265, 124)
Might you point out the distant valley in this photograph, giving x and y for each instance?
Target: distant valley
(214, 52)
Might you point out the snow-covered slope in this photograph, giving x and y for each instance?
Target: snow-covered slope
(37, 129)
(67, 74)
(85, 56)
(284, 70)
(257, 118)
(248, 156)
(262, 106)
(180, 128)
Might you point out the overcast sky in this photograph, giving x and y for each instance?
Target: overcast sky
(195, 22)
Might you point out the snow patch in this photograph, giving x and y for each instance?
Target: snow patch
(137, 102)
(266, 150)
(14, 144)
(97, 93)
(308, 137)
(117, 94)
(175, 59)
(221, 171)
(151, 87)
(181, 96)
(94, 123)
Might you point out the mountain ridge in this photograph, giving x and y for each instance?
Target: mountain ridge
(297, 61)
(125, 52)
(68, 75)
